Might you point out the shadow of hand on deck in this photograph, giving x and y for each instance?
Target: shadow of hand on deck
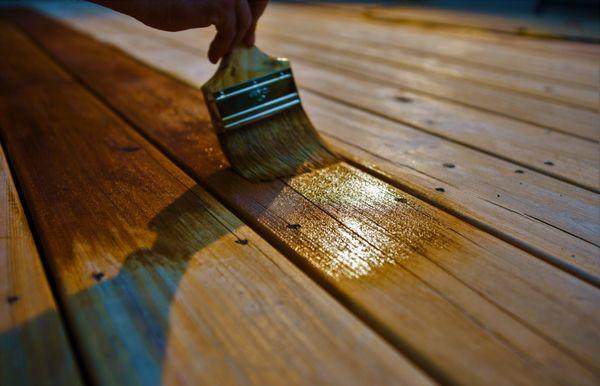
(131, 309)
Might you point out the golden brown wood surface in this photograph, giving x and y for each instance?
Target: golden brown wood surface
(464, 305)
(557, 67)
(34, 349)
(561, 47)
(550, 218)
(162, 284)
(528, 26)
(531, 109)
(426, 62)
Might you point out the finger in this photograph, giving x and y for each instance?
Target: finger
(225, 34)
(257, 7)
(244, 20)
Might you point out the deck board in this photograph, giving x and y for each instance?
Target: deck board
(428, 62)
(560, 68)
(34, 349)
(444, 279)
(505, 102)
(553, 153)
(155, 274)
(482, 21)
(529, 212)
(574, 49)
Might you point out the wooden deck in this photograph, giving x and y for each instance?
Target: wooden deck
(457, 242)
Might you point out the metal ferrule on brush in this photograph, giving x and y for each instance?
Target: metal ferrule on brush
(254, 100)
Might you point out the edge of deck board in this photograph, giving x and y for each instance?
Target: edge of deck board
(34, 348)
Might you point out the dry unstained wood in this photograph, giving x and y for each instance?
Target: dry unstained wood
(428, 64)
(528, 210)
(431, 284)
(522, 25)
(545, 113)
(34, 349)
(558, 67)
(163, 284)
(559, 47)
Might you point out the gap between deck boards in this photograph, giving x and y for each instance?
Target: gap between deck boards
(66, 324)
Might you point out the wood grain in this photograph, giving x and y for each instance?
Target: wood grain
(454, 18)
(527, 210)
(34, 349)
(569, 158)
(428, 63)
(581, 122)
(560, 47)
(561, 68)
(466, 306)
(163, 284)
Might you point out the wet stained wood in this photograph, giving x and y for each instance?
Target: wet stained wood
(34, 349)
(163, 284)
(522, 206)
(464, 305)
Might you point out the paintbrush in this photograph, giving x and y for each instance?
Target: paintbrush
(258, 116)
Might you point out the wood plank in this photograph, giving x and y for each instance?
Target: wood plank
(432, 288)
(526, 25)
(553, 153)
(382, 67)
(575, 50)
(550, 218)
(560, 68)
(33, 345)
(382, 53)
(164, 285)
(586, 51)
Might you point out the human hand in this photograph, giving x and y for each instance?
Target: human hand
(235, 20)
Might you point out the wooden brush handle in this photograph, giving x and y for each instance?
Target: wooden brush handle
(243, 64)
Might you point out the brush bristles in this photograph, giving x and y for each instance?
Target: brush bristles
(283, 145)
